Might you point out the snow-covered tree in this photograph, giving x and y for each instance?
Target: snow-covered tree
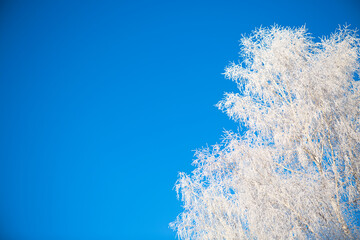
(293, 172)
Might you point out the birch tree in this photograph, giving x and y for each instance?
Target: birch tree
(295, 172)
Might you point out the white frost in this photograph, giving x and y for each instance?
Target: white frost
(295, 174)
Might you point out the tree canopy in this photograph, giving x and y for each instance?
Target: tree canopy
(295, 172)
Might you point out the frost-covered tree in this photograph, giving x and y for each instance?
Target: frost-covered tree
(294, 170)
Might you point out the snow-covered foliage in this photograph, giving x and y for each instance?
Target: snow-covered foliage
(295, 172)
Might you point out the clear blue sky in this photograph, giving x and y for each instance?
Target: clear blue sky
(102, 103)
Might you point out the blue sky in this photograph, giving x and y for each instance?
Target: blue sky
(102, 103)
